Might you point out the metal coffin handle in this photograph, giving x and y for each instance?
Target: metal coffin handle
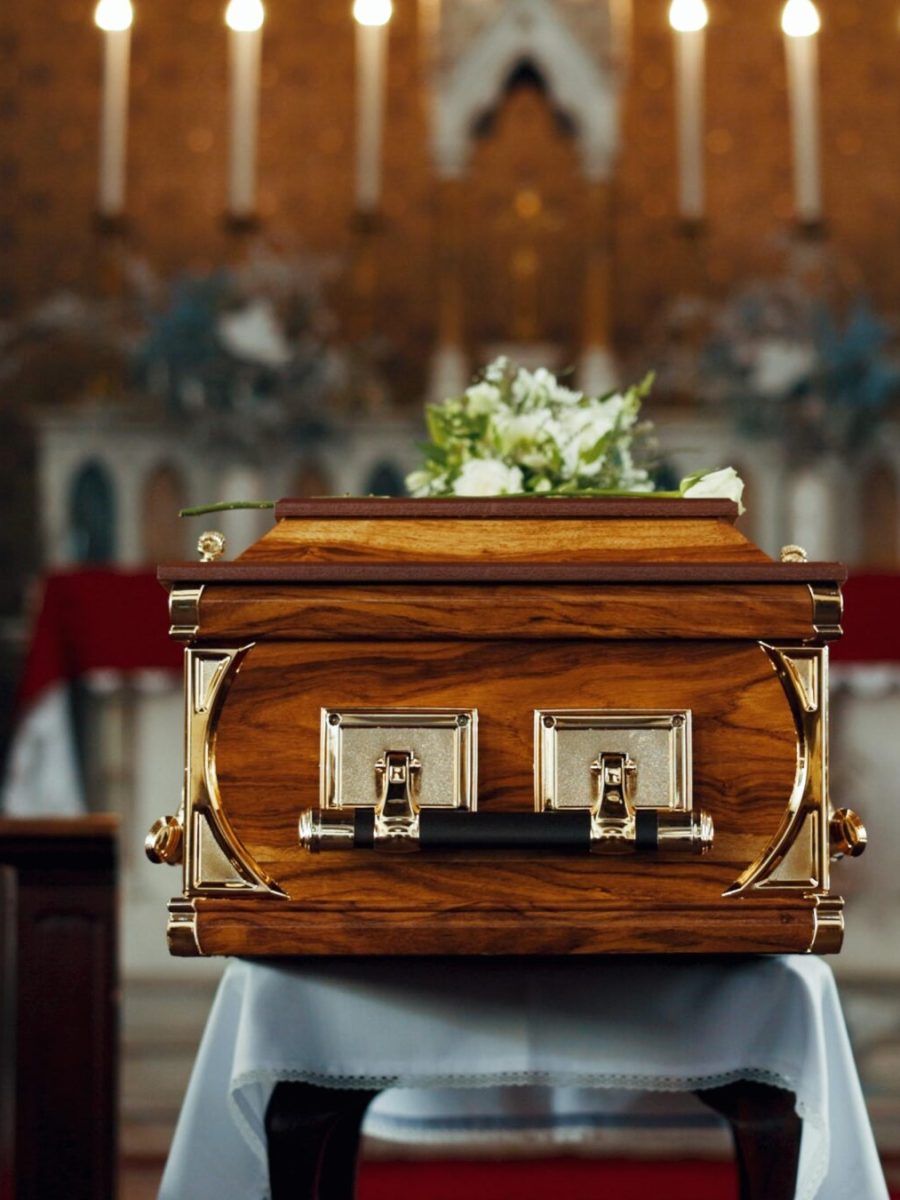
(611, 825)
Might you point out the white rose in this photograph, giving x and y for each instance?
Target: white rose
(715, 485)
(487, 477)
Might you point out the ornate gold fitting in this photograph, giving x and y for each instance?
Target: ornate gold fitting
(793, 553)
(211, 545)
(846, 834)
(612, 814)
(617, 826)
(165, 841)
(395, 825)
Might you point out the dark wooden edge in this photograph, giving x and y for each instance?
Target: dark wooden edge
(500, 507)
(73, 844)
(449, 572)
(91, 825)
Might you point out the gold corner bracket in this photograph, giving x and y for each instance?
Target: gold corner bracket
(828, 926)
(184, 612)
(797, 858)
(181, 930)
(215, 861)
(828, 610)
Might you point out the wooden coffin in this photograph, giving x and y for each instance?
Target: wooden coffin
(508, 726)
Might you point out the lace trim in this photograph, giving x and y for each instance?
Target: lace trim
(631, 1082)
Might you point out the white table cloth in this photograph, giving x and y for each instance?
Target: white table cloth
(514, 1029)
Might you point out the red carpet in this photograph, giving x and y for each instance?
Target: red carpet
(548, 1179)
(551, 1179)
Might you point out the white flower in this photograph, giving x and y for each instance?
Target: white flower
(482, 398)
(487, 477)
(418, 483)
(496, 371)
(725, 484)
(579, 431)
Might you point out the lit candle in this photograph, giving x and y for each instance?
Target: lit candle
(114, 17)
(244, 19)
(689, 18)
(372, 17)
(800, 23)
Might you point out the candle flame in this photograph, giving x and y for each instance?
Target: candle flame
(687, 16)
(114, 15)
(800, 19)
(372, 12)
(245, 16)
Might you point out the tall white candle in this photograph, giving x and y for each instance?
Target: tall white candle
(114, 17)
(372, 17)
(245, 20)
(689, 18)
(800, 23)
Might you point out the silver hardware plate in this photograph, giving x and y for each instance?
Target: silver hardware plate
(568, 741)
(443, 740)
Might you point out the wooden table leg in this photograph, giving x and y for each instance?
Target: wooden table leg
(766, 1132)
(313, 1140)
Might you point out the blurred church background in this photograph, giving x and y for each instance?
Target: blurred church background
(242, 247)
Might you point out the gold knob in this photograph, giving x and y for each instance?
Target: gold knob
(163, 843)
(793, 554)
(847, 834)
(211, 545)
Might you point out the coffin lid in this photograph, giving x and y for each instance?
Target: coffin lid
(504, 539)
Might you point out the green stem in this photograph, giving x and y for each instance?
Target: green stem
(224, 506)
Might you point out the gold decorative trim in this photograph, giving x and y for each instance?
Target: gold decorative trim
(828, 926)
(828, 608)
(803, 671)
(181, 930)
(184, 612)
(215, 861)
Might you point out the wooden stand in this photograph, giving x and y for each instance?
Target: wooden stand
(313, 1139)
(58, 1009)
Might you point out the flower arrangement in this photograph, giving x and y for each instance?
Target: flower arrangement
(520, 432)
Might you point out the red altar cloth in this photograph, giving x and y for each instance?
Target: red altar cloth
(97, 619)
(871, 625)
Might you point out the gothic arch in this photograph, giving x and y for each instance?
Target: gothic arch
(163, 531)
(532, 32)
(92, 514)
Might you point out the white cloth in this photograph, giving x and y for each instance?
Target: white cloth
(635, 1024)
(43, 778)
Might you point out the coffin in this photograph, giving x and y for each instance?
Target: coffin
(511, 726)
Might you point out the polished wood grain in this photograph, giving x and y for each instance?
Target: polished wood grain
(511, 540)
(278, 928)
(480, 611)
(267, 758)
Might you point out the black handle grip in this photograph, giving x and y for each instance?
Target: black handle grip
(490, 831)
